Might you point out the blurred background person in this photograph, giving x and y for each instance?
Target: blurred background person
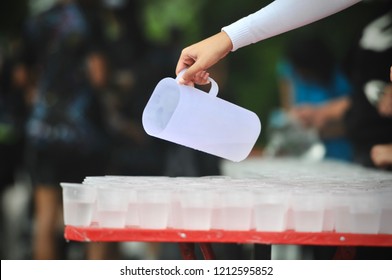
(382, 154)
(118, 75)
(65, 135)
(315, 92)
(15, 90)
(369, 121)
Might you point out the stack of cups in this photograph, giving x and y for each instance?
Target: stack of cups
(224, 203)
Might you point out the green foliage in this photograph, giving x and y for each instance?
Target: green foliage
(161, 16)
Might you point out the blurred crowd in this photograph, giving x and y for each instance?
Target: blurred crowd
(337, 109)
(74, 84)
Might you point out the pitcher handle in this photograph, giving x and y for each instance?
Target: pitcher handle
(214, 86)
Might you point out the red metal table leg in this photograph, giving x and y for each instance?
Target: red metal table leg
(345, 253)
(207, 251)
(187, 251)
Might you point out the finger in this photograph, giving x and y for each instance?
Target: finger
(390, 74)
(201, 78)
(185, 61)
(190, 74)
(386, 111)
(377, 156)
(206, 76)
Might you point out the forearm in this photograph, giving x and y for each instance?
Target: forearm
(281, 16)
(333, 124)
(285, 94)
(337, 108)
(332, 130)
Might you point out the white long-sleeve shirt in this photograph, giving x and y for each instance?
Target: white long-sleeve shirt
(281, 16)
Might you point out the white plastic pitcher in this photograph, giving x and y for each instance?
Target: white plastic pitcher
(193, 118)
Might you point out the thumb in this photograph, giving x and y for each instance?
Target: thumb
(190, 73)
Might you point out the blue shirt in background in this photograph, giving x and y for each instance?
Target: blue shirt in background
(309, 92)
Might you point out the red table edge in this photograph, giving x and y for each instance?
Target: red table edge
(92, 234)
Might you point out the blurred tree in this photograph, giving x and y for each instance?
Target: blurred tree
(161, 17)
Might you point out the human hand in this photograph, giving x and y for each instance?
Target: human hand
(390, 73)
(303, 114)
(310, 116)
(200, 56)
(385, 103)
(381, 155)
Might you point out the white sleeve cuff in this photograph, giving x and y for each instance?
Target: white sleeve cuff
(239, 33)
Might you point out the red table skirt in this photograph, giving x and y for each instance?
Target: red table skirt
(91, 234)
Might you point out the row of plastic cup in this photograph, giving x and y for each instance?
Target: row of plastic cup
(262, 204)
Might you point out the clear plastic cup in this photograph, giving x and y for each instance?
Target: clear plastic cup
(329, 214)
(365, 213)
(271, 210)
(237, 210)
(385, 197)
(175, 218)
(308, 211)
(196, 209)
(132, 216)
(217, 219)
(357, 212)
(78, 204)
(112, 206)
(341, 202)
(154, 206)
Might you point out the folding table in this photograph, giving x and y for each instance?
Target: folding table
(264, 168)
(346, 242)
